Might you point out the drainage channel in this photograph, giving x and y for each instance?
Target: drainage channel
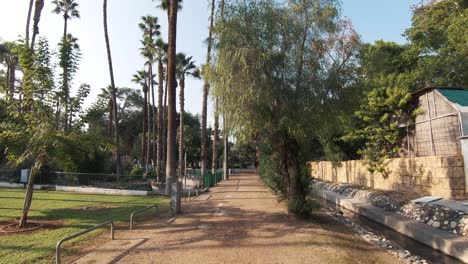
(407, 243)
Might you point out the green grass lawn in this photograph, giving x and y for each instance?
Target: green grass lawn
(39, 246)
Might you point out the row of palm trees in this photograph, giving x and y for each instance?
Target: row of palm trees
(155, 143)
(154, 50)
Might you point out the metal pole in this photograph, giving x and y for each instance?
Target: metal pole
(431, 136)
(225, 150)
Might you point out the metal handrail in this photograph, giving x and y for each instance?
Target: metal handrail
(187, 198)
(58, 247)
(141, 210)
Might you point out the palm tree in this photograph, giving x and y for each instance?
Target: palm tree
(106, 95)
(28, 21)
(68, 8)
(150, 28)
(165, 5)
(114, 92)
(206, 88)
(37, 16)
(141, 78)
(161, 52)
(185, 67)
(172, 83)
(11, 60)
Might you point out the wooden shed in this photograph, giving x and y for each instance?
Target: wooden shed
(442, 123)
(441, 127)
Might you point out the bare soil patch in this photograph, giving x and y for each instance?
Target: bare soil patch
(11, 227)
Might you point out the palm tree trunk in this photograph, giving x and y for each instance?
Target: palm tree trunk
(65, 76)
(225, 149)
(111, 118)
(214, 164)
(148, 138)
(206, 88)
(164, 153)
(171, 126)
(12, 77)
(160, 121)
(7, 82)
(37, 17)
(181, 127)
(28, 21)
(145, 125)
(153, 120)
(114, 93)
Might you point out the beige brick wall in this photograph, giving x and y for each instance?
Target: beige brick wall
(433, 175)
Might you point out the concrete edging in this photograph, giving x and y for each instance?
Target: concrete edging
(443, 241)
(93, 190)
(21, 185)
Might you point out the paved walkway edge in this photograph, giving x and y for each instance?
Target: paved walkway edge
(443, 241)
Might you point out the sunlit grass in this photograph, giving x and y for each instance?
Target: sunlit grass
(50, 205)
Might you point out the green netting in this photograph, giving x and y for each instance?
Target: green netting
(456, 96)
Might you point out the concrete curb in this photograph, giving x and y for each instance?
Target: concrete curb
(443, 241)
(21, 185)
(92, 190)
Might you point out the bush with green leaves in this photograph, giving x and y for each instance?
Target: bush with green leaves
(379, 125)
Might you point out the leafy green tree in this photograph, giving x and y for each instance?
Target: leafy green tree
(68, 9)
(378, 126)
(29, 134)
(271, 90)
(438, 43)
(69, 57)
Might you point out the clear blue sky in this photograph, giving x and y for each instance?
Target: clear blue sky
(373, 20)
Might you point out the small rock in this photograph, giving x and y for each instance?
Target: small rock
(453, 224)
(436, 224)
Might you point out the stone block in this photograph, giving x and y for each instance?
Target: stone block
(457, 172)
(408, 180)
(457, 184)
(453, 161)
(441, 172)
(433, 162)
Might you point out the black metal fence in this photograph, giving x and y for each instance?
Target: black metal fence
(110, 181)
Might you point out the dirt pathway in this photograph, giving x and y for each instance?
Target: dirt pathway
(239, 221)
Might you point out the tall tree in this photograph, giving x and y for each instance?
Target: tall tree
(10, 58)
(114, 92)
(161, 51)
(69, 57)
(206, 88)
(259, 84)
(39, 4)
(150, 29)
(185, 67)
(69, 10)
(28, 21)
(172, 84)
(141, 77)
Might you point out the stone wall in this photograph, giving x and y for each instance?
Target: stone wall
(434, 175)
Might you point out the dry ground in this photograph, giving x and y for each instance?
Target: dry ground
(239, 221)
